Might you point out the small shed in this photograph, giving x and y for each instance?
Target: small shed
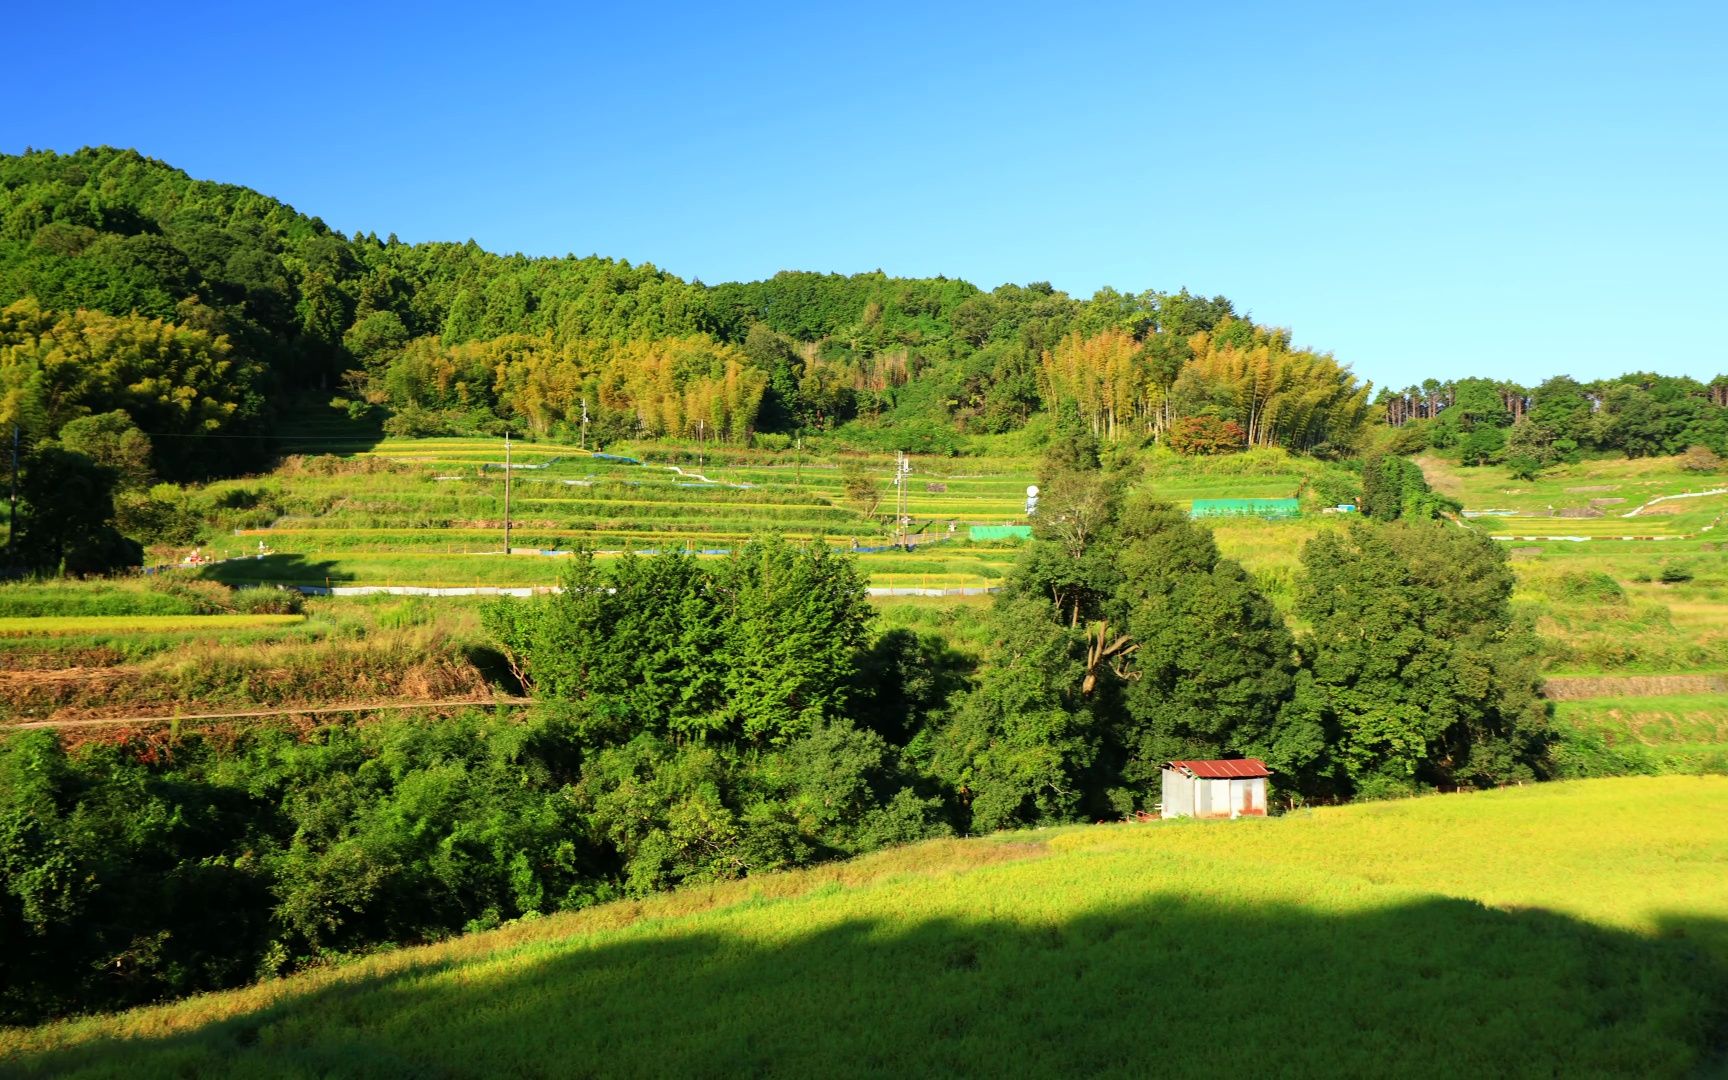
(1215, 789)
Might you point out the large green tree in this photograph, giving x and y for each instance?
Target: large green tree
(1418, 663)
(1022, 748)
(66, 516)
(1209, 669)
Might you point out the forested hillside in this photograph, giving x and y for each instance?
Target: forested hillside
(449, 338)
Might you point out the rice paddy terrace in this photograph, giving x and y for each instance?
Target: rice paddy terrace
(431, 512)
(438, 518)
(357, 508)
(351, 508)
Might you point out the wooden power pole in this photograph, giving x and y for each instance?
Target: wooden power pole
(507, 471)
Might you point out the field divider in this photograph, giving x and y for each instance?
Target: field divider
(317, 710)
(541, 590)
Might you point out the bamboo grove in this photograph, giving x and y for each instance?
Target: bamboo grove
(1239, 372)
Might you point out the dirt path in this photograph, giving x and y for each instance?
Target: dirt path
(1440, 478)
(376, 706)
(1582, 687)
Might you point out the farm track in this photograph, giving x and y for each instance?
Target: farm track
(253, 714)
(1586, 687)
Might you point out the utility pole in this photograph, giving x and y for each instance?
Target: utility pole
(506, 491)
(698, 446)
(12, 511)
(584, 423)
(902, 470)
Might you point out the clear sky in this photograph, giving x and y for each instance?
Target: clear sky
(1426, 190)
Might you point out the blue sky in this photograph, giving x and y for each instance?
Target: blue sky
(1501, 189)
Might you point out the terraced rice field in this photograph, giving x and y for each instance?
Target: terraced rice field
(431, 512)
(1614, 485)
(393, 511)
(94, 666)
(1641, 590)
(137, 624)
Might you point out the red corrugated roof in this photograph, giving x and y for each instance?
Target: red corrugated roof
(1237, 769)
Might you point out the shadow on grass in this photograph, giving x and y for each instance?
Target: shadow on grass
(1172, 985)
(495, 668)
(310, 425)
(291, 569)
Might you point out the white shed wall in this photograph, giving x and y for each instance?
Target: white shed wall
(1178, 795)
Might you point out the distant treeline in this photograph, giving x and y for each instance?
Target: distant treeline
(1487, 421)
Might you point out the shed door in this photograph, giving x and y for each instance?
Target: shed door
(1221, 798)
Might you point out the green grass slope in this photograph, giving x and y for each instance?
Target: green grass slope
(1568, 929)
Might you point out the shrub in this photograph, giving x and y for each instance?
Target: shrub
(1482, 446)
(1194, 435)
(1700, 459)
(162, 515)
(1675, 574)
(264, 600)
(1336, 487)
(1589, 587)
(201, 597)
(1523, 466)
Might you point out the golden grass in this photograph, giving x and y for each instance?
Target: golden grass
(1565, 928)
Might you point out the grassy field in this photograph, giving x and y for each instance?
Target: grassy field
(1684, 731)
(1570, 929)
(1616, 484)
